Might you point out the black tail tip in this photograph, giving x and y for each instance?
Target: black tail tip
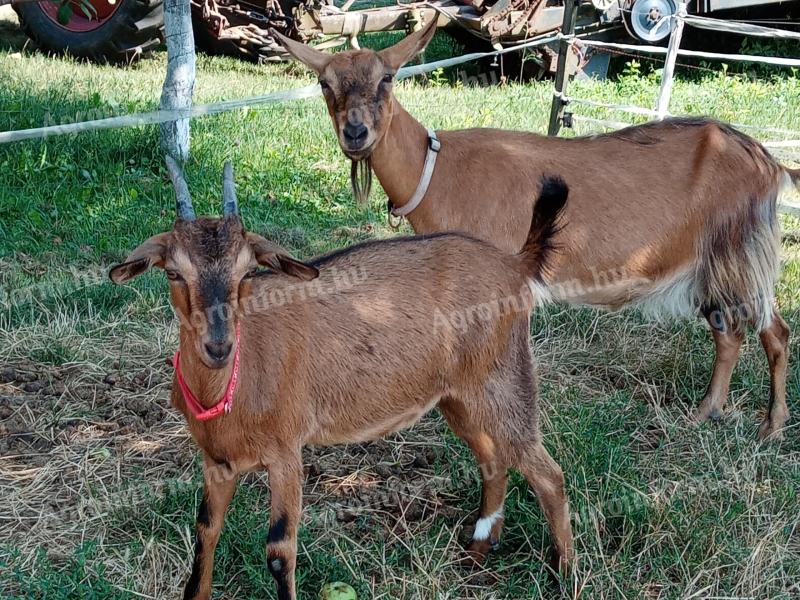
(552, 198)
(545, 224)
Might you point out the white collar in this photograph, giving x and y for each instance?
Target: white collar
(434, 145)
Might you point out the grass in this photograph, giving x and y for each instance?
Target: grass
(99, 479)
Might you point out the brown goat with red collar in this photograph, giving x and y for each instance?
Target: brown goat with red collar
(347, 348)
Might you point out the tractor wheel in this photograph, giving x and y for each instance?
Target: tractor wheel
(119, 32)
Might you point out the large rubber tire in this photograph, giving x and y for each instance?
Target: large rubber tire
(135, 27)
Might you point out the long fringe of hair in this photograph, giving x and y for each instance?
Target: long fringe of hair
(361, 179)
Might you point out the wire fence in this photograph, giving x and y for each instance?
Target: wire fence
(767, 60)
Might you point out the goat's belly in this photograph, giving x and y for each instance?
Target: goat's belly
(673, 296)
(610, 290)
(355, 428)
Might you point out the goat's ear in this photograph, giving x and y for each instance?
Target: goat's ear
(152, 253)
(304, 53)
(407, 48)
(271, 255)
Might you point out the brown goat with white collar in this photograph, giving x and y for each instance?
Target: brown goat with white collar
(696, 235)
(302, 355)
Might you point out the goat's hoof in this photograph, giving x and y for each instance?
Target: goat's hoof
(703, 414)
(769, 432)
(475, 556)
(562, 563)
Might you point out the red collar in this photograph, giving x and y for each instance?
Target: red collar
(225, 403)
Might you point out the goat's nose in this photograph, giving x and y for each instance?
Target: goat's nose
(355, 133)
(219, 351)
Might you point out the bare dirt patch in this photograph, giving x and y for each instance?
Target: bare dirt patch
(69, 440)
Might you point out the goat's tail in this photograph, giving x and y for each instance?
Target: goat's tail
(545, 224)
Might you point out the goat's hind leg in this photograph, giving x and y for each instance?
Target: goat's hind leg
(728, 340)
(775, 340)
(494, 475)
(499, 444)
(219, 485)
(546, 478)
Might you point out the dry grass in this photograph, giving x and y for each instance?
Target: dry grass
(89, 440)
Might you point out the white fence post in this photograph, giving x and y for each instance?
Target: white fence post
(662, 108)
(179, 81)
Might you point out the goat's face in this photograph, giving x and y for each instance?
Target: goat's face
(357, 86)
(210, 264)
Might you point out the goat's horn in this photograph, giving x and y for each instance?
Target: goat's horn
(183, 201)
(229, 204)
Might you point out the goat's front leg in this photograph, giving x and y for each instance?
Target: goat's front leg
(286, 488)
(219, 483)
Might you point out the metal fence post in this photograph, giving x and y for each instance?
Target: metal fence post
(664, 94)
(567, 29)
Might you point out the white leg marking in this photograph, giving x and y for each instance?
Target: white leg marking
(483, 528)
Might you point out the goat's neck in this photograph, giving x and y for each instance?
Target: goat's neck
(399, 156)
(208, 385)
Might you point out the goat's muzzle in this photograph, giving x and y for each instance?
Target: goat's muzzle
(356, 140)
(218, 352)
(355, 134)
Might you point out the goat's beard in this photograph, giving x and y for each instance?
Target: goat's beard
(361, 179)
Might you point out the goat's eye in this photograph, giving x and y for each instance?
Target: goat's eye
(324, 85)
(173, 275)
(387, 78)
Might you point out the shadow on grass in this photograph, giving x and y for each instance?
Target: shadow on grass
(12, 39)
